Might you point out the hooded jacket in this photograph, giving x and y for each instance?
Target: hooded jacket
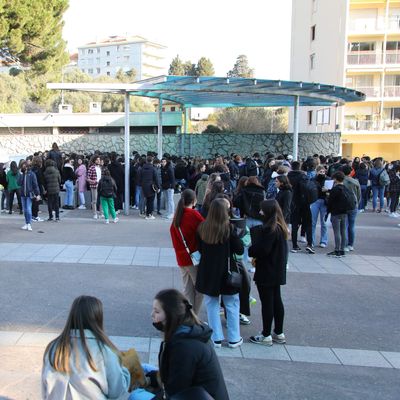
(52, 179)
(249, 199)
(188, 360)
(200, 189)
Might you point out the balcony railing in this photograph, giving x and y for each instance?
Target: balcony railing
(394, 24)
(370, 91)
(364, 58)
(392, 57)
(369, 125)
(366, 25)
(392, 91)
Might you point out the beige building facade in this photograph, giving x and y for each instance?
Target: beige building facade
(352, 43)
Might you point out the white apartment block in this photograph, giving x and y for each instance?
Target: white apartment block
(108, 56)
(352, 43)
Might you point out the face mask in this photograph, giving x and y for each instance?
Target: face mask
(23, 170)
(159, 326)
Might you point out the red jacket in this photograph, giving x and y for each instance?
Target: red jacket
(191, 219)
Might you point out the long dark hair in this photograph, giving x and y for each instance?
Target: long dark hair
(188, 196)
(285, 184)
(215, 229)
(13, 168)
(216, 188)
(178, 311)
(272, 217)
(86, 313)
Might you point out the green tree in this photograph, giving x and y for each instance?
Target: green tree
(252, 120)
(13, 94)
(176, 67)
(189, 68)
(204, 67)
(241, 68)
(126, 77)
(31, 30)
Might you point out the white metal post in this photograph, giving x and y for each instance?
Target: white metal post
(159, 131)
(127, 155)
(296, 128)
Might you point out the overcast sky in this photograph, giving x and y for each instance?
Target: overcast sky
(217, 29)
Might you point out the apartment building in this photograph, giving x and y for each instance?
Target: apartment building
(107, 57)
(352, 43)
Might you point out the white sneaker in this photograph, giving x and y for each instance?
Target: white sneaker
(142, 215)
(261, 339)
(351, 248)
(38, 219)
(323, 245)
(25, 227)
(95, 216)
(393, 215)
(303, 239)
(347, 248)
(280, 339)
(29, 227)
(150, 217)
(106, 221)
(233, 345)
(82, 207)
(116, 220)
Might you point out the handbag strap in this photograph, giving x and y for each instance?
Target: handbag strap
(184, 241)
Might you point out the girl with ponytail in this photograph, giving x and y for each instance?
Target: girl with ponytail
(183, 234)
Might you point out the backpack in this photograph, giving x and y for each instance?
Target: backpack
(308, 191)
(350, 199)
(383, 178)
(107, 188)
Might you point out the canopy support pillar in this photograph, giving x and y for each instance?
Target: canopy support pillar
(296, 128)
(159, 131)
(126, 154)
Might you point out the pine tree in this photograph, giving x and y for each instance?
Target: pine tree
(241, 68)
(176, 67)
(205, 67)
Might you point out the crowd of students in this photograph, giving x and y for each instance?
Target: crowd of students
(234, 217)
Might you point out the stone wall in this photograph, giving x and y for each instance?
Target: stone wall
(204, 145)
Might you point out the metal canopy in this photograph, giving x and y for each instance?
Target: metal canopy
(210, 91)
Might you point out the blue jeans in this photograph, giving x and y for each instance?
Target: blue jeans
(169, 201)
(69, 193)
(364, 197)
(27, 208)
(138, 190)
(140, 394)
(350, 223)
(378, 191)
(318, 208)
(250, 223)
(232, 305)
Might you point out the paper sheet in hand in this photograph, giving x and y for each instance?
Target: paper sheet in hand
(329, 184)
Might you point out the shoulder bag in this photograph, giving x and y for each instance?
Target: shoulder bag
(235, 278)
(195, 256)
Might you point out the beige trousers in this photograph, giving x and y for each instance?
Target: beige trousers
(189, 275)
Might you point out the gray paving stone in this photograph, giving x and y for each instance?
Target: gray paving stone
(51, 250)
(320, 355)
(36, 339)
(362, 358)
(140, 344)
(368, 271)
(98, 252)
(39, 258)
(118, 261)
(392, 357)
(227, 352)
(276, 352)
(122, 252)
(66, 259)
(9, 338)
(87, 260)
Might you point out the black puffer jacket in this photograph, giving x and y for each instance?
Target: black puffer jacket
(249, 199)
(188, 360)
(52, 180)
(270, 250)
(147, 177)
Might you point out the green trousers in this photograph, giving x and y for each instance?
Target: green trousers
(107, 203)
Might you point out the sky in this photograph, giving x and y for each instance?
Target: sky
(218, 29)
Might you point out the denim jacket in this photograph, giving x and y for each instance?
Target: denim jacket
(29, 184)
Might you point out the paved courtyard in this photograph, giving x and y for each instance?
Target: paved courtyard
(342, 316)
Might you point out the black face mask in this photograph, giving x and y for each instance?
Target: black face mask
(23, 170)
(159, 326)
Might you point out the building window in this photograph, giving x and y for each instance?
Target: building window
(323, 116)
(108, 54)
(172, 108)
(118, 48)
(108, 73)
(98, 50)
(310, 115)
(90, 51)
(163, 109)
(108, 63)
(83, 70)
(90, 70)
(97, 60)
(312, 61)
(98, 70)
(127, 47)
(126, 58)
(313, 33)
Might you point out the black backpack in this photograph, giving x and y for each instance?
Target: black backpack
(350, 199)
(107, 187)
(308, 191)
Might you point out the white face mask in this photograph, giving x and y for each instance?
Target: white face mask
(390, 166)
